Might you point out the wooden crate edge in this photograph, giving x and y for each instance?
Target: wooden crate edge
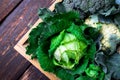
(34, 62)
(21, 49)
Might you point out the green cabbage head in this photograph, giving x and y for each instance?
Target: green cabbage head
(69, 50)
(62, 41)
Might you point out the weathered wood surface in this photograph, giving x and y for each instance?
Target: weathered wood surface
(32, 74)
(7, 6)
(20, 47)
(14, 26)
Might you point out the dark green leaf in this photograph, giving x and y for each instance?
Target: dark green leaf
(81, 68)
(33, 39)
(91, 50)
(55, 42)
(64, 74)
(78, 32)
(53, 29)
(70, 16)
(60, 8)
(84, 78)
(44, 13)
(45, 62)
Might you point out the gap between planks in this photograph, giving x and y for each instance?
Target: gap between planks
(10, 8)
(21, 48)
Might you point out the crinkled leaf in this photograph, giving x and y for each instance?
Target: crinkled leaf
(53, 29)
(78, 31)
(71, 16)
(92, 6)
(110, 11)
(44, 13)
(110, 64)
(64, 74)
(81, 67)
(92, 71)
(113, 64)
(60, 8)
(55, 42)
(84, 78)
(100, 59)
(91, 50)
(33, 39)
(43, 58)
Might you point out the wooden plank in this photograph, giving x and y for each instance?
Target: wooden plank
(20, 47)
(6, 6)
(30, 74)
(14, 67)
(12, 64)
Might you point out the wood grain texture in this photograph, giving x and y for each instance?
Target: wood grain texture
(21, 48)
(12, 64)
(14, 67)
(7, 6)
(33, 74)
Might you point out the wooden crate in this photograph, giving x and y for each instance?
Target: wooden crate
(20, 47)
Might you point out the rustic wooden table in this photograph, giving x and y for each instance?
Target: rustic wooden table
(16, 17)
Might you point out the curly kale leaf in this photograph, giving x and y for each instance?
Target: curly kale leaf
(110, 65)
